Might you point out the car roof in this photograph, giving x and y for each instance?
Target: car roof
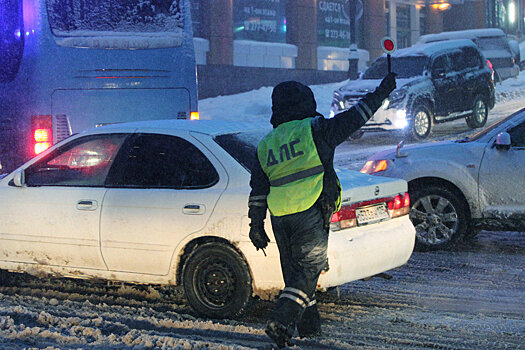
(462, 34)
(209, 127)
(428, 49)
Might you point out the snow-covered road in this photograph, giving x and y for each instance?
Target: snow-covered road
(471, 298)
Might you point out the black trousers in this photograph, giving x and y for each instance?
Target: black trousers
(302, 239)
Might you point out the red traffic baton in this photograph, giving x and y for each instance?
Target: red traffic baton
(389, 46)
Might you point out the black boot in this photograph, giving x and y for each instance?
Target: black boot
(279, 333)
(310, 324)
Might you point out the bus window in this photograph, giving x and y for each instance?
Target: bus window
(117, 19)
(11, 39)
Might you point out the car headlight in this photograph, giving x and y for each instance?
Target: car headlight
(396, 96)
(374, 166)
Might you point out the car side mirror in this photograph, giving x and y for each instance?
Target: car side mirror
(502, 141)
(19, 180)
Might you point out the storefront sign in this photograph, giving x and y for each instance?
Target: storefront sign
(333, 23)
(260, 20)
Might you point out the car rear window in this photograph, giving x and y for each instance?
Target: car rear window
(405, 67)
(492, 43)
(242, 146)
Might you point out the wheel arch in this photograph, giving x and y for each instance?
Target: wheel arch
(422, 99)
(427, 181)
(196, 242)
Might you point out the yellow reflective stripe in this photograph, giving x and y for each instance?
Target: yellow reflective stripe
(297, 176)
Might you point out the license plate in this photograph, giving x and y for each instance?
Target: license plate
(370, 214)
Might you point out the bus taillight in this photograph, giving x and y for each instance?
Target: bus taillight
(194, 116)
(41, 132)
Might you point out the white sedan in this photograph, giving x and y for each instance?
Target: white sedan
(166, 202)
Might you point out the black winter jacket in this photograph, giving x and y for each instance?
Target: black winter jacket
(327, 134)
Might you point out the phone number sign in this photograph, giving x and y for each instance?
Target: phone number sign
(333, 23)
(260, 20)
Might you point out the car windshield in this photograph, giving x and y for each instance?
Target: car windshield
(405, 67)
(242, 146)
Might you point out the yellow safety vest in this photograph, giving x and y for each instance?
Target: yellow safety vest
(289, 158)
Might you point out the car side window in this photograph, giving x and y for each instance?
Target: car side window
(162, 161)
(440, 65)
(84, 162)
(517, 136)
(472, 57)
(458, 61)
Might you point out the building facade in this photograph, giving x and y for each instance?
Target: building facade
(310, 40)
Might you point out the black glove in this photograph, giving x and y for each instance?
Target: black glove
(388, 84)
(258, 236)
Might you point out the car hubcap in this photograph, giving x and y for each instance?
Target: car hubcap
(435, 219)
(421, 123)
(216, 283)
(479, 111)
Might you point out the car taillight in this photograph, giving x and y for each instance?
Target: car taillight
(41, 133)
(489, 64)
(399, 205)
(194, 116)
(346, 217)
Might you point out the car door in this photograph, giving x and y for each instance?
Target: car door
(162, 189)
(445, 79)
(54, 220)
(502, 177)
(473, 81)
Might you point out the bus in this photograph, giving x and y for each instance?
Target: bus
(68, 65)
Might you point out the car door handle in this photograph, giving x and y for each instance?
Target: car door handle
(194, 209)
(87, 204)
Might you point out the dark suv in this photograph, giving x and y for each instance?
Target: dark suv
(437, 82)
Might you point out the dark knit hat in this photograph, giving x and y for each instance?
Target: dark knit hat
(292, 100)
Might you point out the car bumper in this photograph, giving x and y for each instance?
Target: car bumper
(508, 72)
(353, 254)
(369, 250)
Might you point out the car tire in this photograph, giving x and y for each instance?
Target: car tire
(5, 278)
(356, 135)
(216, 281)
(439, 216)
(480, 113)
(422, 122)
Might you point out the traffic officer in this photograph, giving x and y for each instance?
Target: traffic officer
(295, 179)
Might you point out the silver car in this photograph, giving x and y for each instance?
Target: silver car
(458, 187)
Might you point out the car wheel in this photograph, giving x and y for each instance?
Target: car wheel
(356, 135)
(217, 281)
(422, 122)
(439, 217)
(479, 115)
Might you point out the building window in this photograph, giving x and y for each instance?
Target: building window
(422, 21)
(403, 26)
(259, 20)
(199, 28)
